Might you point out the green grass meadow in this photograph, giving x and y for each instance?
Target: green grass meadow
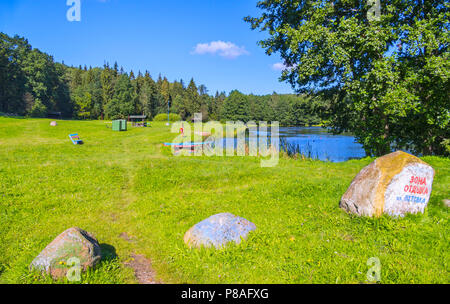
(127, 182)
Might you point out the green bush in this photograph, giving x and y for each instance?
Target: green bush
(163, 117)
(446, 144)
(38, 109)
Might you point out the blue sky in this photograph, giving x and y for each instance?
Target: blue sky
(204, 39)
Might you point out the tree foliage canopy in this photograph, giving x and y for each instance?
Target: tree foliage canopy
(388, 74)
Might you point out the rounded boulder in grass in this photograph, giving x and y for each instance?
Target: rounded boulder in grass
(218, 230)
(72, 243)
(395, 184)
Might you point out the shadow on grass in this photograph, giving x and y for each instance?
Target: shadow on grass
(108, 252)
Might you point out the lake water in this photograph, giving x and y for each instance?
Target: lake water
(313, 142)
(317, 143)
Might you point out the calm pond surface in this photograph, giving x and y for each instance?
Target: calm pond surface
(318, 143)
(314, 142)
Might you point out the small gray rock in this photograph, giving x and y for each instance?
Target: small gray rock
(72, 243)
(218, 230)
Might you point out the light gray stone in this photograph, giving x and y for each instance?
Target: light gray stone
(218, 230)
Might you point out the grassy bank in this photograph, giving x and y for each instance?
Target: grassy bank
(126, 182)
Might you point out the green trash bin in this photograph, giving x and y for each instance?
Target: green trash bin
(123, 125)
(119, 125)
(116, 125)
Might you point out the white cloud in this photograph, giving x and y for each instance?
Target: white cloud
(279, 66)
(225, 49)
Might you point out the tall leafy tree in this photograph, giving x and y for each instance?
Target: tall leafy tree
(388, 73)
(12, 78)
(165, 93)
(123, 101)
(216, 105)
(236, 107)
(148, 97)
(192, 96)
(179, 106)
(107, 80)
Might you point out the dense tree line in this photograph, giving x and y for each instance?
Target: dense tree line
(288, 109)
(30, 81)
(32, 84)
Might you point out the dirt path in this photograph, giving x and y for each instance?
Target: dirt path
(142, 269)
(142, 266)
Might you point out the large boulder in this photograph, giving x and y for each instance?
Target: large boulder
(395, 184)
(72, 243)
(218, 230)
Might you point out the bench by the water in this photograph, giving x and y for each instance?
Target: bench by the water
(190, 146)
(185, 145)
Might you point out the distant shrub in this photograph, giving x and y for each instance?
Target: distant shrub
(163, 117)
(38, 109)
